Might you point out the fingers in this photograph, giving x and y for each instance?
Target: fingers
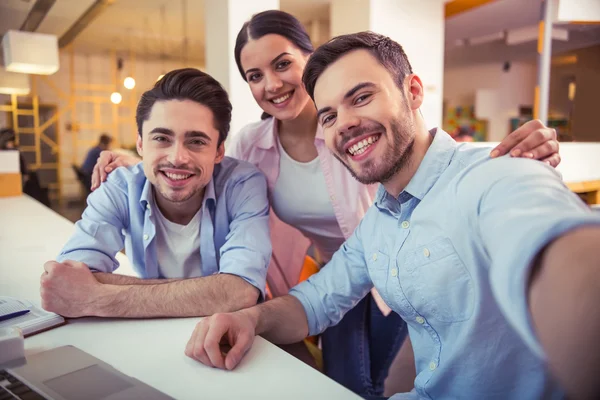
(95, 177)
(212, 343)
(50, 266)
(516, 137)
(542, 151)
(526, 138)
(105, 159)
(195, 348)
(242, 344)
(553, 160)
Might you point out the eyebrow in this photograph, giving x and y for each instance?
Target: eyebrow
(356, 88)
(272, 62)
(188, 134)
(348, 94)
(323, 111)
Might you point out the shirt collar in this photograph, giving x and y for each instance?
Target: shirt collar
(432, 166)
(145, 198)
(267, 141)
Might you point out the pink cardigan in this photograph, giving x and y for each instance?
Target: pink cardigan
(256, 143)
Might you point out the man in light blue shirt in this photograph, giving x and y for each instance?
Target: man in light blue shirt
(493, 263)
(186, 213)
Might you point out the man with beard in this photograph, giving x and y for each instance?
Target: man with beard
(492, 263)
(193, 223)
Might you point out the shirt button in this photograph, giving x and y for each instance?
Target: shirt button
(146, 237)
(332, 198)
(432, 366)
(394, 272)
(147, 206)
(426, 252)
(420, 319)
(405, 224)
(374, 256)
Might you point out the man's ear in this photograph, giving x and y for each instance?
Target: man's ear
(220, 153)
(138, 146)
(415, 92)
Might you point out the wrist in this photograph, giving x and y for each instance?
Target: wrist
(103, 302)
(253, 316)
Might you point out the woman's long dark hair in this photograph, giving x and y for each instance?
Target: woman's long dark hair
(272, 22)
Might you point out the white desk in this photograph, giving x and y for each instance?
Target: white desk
(149, 350)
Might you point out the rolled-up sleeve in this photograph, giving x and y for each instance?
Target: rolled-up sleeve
(520, 207)
(98, 234)
(328, 295)
(247, 249)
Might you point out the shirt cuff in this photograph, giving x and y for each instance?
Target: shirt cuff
(252, 276)
(96, 262)
(309, 298)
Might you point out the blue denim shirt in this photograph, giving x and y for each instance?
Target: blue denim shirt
(234, 230)
(451, 255)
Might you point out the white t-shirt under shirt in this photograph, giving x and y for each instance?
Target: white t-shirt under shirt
(178, 246)
(300, 199)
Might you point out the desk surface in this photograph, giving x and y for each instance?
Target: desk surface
(149, 350)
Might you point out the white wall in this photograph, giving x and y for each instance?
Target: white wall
(226, 19)
(513, 89)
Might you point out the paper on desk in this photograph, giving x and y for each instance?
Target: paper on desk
(37, 319)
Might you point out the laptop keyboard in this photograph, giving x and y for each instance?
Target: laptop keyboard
(12, 388)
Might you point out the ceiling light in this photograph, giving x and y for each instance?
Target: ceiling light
(531, 34)
(14, 83)
(116, 97)
(129, 83)
(30, 53)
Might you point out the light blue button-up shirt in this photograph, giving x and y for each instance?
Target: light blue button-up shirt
(234, 229)
(451, 255)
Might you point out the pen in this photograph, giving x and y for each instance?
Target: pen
(13, 315)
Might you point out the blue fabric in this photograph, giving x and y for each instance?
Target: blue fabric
(234, 230)
(358, 352)
(90, 160)
(452, 256)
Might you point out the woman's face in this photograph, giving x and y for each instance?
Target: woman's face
(273, 67)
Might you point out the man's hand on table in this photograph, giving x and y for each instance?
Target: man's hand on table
(236, 329)
(69, 289)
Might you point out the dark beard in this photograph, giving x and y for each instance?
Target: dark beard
(397, 158)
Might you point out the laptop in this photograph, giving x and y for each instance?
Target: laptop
(68, 373)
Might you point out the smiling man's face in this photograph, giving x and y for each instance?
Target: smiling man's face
(365, 116)
(179, 148)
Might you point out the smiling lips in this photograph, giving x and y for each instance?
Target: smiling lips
(277, 101)
(176, 178)
(360, 147)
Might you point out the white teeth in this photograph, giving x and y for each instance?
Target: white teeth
(177, 177)
(362, 146)
(282, 98)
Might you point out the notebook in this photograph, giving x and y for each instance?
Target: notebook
(36, 320)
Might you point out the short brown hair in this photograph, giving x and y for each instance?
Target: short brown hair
(388, 52)
(188, 84)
